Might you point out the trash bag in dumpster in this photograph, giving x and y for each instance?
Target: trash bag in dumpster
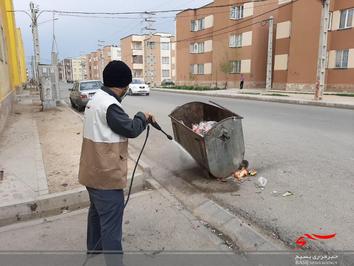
(221, 149)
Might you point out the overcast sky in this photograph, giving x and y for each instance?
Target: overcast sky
(79, 35)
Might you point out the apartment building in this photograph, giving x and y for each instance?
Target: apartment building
(223, 40)
(110, 53)
(297, 42)
(79, 68)
(76, 67)
(151, 58)
(340, 69)
(61, 70)
(220, 41)
(96, 61)
(68, 69)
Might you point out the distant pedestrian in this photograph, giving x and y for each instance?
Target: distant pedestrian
(242, 80)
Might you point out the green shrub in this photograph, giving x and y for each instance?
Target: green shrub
(193, 88)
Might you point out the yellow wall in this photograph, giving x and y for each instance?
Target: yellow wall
(11, 40)
(21, 57)
(13, 66)
(5, 87)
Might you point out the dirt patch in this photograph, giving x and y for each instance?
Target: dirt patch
(60, 134)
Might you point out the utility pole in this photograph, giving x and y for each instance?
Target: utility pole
(270, 55)
(101, 45)
(54, 44)
(36, 56)
(82, 65)
(322, 51)
(57, 93)
(149, 61)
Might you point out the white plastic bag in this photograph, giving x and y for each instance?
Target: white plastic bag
(262, 182)
(203, 127)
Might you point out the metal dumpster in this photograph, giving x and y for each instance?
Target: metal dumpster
(221, 150)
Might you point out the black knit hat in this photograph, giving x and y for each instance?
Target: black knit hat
(117, 74)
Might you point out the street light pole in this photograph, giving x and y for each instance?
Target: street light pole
(148, 43)
(270, 55)
(322, 51)
(36, 56)
(101, 45)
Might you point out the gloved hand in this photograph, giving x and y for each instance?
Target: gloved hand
(149, 117)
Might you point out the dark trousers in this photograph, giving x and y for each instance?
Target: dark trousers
(104, 225)
(241, 85)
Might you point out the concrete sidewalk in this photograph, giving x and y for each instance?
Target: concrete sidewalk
(329, 99)
(39, 157)
(21, 159)
(152, 221)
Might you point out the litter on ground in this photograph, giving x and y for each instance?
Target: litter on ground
(288, 193)
(262, 182)
(243, 172)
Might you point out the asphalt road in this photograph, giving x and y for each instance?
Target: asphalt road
(306, 150)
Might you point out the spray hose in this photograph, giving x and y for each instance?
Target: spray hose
(136, 165)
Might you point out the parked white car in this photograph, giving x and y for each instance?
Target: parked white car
(138, 86)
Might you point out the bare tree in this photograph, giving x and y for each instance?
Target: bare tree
(192, 78)
(226, 68)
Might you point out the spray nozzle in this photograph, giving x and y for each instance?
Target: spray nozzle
(157, 126)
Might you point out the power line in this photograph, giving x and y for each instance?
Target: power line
(157, 17)
(244, 27)
(147, 12)
(267, 3)
(220, 31)
(205, 35)
(233, 30)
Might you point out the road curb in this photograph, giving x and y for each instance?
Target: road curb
(53, 204)
(263, 99)
(244, 236)
(64, 104)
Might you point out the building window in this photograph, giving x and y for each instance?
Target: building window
(200, 69)
(165, 60)
(165, 73)
(137, 46)
(137, 73)
(236, 12)
(151, 45)
(201, 24)
(235, 67)
(197, 69)
(198, 24)
(342, 59)
(193, 25)
(346, 18)
(165, 46)
(138, 59)
(330, 20)
(197, 48)
(235, 40)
